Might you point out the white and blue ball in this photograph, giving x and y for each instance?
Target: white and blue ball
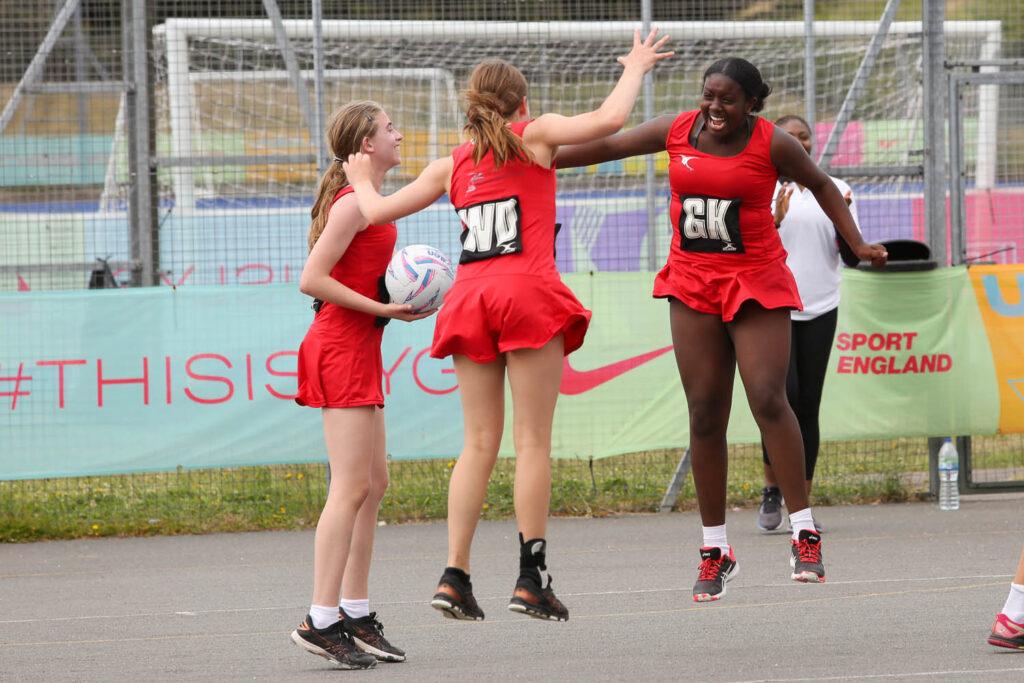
(419, 275)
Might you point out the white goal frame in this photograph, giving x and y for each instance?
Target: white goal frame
(176, 32)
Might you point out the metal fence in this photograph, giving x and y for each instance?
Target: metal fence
(178, 140)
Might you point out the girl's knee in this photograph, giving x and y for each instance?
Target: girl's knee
(708, 419)
(378, 487)
(767, 404)
(349, 494)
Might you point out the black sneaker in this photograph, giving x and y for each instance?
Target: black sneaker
(454, 597)
(333, 644)
(713, 573)
(368, 635)
(806, 558)
(769, 515)
(540, 603)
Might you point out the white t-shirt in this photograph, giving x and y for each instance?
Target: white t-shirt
(810, 240)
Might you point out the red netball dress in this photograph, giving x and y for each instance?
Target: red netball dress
(339, 362)
(507, 293)
(725, 247)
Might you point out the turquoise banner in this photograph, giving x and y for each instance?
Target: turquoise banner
(153, 379)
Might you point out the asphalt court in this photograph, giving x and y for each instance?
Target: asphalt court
(911, 595)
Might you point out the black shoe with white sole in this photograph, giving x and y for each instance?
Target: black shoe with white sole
(716, 568)
(333, 643)
(368, 634)
(805, 558)
(454, 596)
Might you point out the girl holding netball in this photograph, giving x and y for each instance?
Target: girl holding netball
(508, 312)
(340, 372)
(729, 290)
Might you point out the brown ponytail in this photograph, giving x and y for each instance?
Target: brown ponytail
(346, 130)
(496, 88)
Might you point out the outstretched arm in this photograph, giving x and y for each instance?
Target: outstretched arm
(553, 130)
(793, 162)
(417, 195)
(647, 138)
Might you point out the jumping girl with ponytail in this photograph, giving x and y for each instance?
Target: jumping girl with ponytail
(730, 292)
(508, 311)
(340, 372)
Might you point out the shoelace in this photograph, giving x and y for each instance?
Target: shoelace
(709, 569)
(808, 552)
(377, 626)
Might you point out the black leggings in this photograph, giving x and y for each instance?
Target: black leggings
(809, 349)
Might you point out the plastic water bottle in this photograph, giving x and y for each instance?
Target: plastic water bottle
(949, 472)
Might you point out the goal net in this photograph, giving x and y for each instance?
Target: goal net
(232, 127)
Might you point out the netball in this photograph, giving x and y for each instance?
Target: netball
(419, 275)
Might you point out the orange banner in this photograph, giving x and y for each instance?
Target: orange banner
(1000, 293)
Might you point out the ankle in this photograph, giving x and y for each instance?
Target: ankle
(533, 559)
(456, 572)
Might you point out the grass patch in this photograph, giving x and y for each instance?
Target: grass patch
(291, 496)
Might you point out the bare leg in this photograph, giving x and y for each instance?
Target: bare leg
(482, 391)
(770, 480)
(761, 339)
(1018, 578)
(707, 365)
(355, 583)
(534, 376)
(350, 434)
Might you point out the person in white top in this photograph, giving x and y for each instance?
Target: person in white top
(815, 255)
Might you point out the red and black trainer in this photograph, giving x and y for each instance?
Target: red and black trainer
(368, 634)
(540, 603)
(805, 558)
(714, 571)
(333, 643)
(1007, 633)
(454, 596)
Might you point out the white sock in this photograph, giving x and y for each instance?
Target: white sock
(1014, 607)
(714, 536)
(323, 616)
(801, 520)
(356, 609)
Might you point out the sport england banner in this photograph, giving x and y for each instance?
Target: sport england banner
(152, 379)
(910, 358)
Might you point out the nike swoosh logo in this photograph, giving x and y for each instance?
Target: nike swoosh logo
(579, 382)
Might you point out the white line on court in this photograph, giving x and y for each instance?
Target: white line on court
(642, 591)
(504, 622)
(893, 675)
(757, 541)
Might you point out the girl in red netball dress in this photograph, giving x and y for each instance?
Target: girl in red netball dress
(508, 311)
(340, 372)
(729, 290)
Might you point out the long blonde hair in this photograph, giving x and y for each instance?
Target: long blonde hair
(346, 130)
(496, 89)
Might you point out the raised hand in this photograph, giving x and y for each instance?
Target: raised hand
(875, 253)
(645, 55)
(358, 168)
(782, 203)
(405, 313)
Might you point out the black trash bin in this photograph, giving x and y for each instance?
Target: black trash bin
(904, 256)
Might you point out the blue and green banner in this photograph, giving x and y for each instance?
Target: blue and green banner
(114, 381)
